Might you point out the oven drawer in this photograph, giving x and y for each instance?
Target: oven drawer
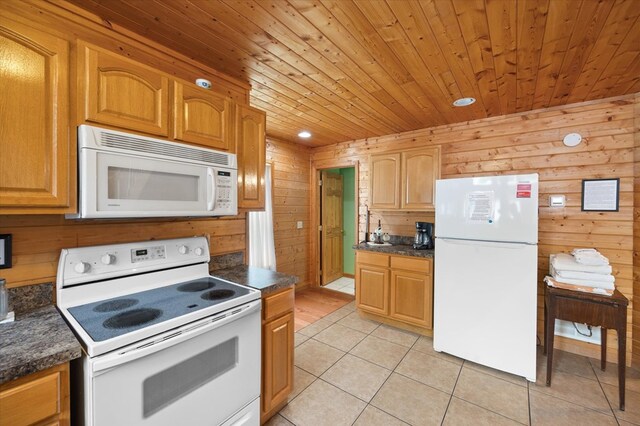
(278, 304)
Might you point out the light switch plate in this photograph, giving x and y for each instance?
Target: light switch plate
(5, 251)
(299, 224)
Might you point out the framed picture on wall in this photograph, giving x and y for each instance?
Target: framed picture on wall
(601, 195)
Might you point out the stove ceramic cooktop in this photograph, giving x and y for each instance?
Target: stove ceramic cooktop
(110, 318)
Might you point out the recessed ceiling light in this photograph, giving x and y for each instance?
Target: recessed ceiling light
(304, 134)
(463, 102)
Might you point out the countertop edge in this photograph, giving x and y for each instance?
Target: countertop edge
(398, 249)
(264, 280)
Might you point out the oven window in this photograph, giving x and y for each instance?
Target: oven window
(171, 384)
(135, 184)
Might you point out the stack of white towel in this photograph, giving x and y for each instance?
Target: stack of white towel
(583, 270)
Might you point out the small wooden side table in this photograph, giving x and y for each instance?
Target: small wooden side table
(595, 310)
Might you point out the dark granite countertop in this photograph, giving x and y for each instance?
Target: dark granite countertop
(261, 279)
(398, 249)
(35, 341)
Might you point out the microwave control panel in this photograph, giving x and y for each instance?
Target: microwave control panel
(224, 187)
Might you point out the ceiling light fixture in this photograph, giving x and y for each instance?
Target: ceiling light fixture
(463, 102)
(304, 134)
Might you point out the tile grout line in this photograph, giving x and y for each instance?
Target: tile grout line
(446, 410)
(604, 393)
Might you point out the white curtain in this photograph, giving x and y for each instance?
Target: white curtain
(262, 249)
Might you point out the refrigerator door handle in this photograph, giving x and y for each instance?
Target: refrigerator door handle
(484, 243)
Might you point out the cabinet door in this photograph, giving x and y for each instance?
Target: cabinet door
(411, 298)
(372, 289)
(122, 93)
(251, 150)
(277, 369)
(384, 181)
(420, 169)
(202, 117)
(34, 120)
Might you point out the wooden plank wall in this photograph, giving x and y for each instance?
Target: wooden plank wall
(526, 143)
(290, 165)
(636, 237)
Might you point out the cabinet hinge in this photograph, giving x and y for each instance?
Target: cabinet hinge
(320, 228)
(320, 182)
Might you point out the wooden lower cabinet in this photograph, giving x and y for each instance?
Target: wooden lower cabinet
(37, 399)
(398, 288)
(277, 352)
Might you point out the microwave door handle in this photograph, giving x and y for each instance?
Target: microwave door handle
(211, 189)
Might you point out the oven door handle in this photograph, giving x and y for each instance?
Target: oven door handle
(155, 344)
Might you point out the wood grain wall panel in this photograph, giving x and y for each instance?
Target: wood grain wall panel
(37, 240)
(291, 203)
(635, 328)
(527, 143)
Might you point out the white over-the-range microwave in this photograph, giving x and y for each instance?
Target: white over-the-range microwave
(123, 175)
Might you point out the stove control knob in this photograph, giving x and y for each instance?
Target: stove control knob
(82, 267)
(199, 251)
(183, 249)
(108, 259)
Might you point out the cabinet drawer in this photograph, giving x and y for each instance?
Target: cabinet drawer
(277, 304)
(373, 258)
(411, 264)
(32, 401)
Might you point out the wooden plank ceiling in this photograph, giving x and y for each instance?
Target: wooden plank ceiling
(354, 69)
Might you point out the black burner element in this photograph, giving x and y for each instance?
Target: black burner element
(132, 318)
(196, 286)
(115, 305)
(218, 294)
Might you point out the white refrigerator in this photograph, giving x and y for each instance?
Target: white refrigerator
(486, 267)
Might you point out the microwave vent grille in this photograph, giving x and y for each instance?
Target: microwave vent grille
(160, 148)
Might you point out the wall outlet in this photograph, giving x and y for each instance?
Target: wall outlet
(5, 251)
(299, 224)
(566, 329)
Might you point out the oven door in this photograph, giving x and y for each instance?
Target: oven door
(117, 185)
(200, 374)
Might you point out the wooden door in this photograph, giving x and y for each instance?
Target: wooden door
(420, 170)
(277, 368)
(34, 121)
(119, 92)
(411, 298)
(372, 289)
(251, 151)
(332, 262)
(384, 181)
(202, 117)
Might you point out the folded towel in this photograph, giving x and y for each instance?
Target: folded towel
(583, 251)
(592, 259)
(584, 283)
(594, 290)
(566, 262)
(582, 275)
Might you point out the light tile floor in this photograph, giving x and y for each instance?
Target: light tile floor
(350, 371)
(343, 285)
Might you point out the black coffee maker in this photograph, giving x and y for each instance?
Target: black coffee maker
(424, 236)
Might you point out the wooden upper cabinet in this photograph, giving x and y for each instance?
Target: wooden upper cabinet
(122, 93)
(420, 169)
(202, 117)
(404, 181)
(384, 187)
(251, 151)
(34, 121)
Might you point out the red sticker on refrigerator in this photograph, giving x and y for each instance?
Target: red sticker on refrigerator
(523, 190)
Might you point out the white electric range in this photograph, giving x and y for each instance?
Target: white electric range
(164, 342)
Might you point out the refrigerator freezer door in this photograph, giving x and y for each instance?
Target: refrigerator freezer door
(485, 303)
(488, 208)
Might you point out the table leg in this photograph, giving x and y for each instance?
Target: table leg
(603, 348)
(549, 326)
(544, 342)
(622, 351)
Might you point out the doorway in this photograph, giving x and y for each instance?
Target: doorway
(338, 229)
